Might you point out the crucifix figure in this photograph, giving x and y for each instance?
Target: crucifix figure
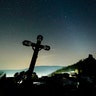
(36, 47)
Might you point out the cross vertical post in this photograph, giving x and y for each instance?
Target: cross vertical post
(36, 47)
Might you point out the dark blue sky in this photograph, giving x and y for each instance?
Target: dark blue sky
(68, 26)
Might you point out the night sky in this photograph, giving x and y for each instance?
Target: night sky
(68, 27)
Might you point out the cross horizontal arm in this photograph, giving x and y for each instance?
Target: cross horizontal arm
(29, 43)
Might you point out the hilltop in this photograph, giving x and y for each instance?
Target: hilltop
(86, 66)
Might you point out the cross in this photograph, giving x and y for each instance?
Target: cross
(36, 47)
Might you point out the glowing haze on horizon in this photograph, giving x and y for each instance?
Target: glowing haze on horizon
(68, 27)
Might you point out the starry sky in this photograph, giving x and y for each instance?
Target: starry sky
(68, 27)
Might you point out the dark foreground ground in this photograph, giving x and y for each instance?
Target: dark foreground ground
(47, 87)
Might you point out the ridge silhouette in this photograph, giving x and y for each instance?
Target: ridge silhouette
(85, 66)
